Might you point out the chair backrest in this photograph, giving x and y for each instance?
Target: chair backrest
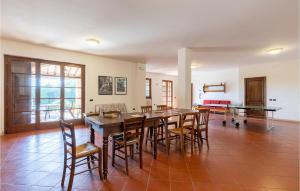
(203, 117)
(134, 127)
(68, 134)
(187, 121)
(146, 109)
(161, 107)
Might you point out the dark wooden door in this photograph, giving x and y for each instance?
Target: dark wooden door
(255, 90)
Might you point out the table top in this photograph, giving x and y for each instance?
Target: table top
(257, 107)
(103, 121)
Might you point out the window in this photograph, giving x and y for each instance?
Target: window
(148, 88)
(167, 93)
(41, 92)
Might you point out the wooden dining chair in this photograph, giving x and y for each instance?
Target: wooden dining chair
(116, 112)
(185, 129)
(149, 134)
(77, 154)
(133, 134)
(202, 125)
(146, 109)
(161, 107)
(170, 122)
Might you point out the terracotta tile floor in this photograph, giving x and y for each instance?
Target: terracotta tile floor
(243, 159)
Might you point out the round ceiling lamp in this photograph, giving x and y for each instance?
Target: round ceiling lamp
(92, 42)
(274, 51)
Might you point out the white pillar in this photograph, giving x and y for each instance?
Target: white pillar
(139, 97)
(184, 78)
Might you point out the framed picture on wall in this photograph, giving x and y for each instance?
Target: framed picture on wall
(120, 85)
(105, 85)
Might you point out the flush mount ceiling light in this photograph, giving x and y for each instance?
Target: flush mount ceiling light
(274, 51)
(92, 42)
(193, 66)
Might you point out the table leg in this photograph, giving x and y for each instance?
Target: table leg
(270, 120)
(155, 138)
(224, 119)
(166, 135)
(232, 117)
(105, 157)
(92, 134)
(237, 123)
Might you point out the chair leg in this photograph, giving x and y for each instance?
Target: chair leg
(192, 142)
(126, 159)
(89, 161)
(141, 155)
(162, 132)
(206, 136)
(169, 143)
(198, 139)
(71, 174)
(181, 143)
(113, 153)
(131, 151)
(147, 136)
(151, 135)
(200, 135)
(64, 171)
(100, 165)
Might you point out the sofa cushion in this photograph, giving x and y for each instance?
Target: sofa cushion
(214, 101)
(225, 102)
(100, 108)
(206, 102)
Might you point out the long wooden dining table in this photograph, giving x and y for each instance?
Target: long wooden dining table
(107, 126)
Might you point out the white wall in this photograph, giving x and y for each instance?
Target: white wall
(229, 76)
(282, 81)
(156, 80)
(95, 66)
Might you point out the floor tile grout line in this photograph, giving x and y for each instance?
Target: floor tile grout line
(148, 180)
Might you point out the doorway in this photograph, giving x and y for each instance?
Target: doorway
(255, 94)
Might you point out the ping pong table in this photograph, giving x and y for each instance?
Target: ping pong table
(235, 110)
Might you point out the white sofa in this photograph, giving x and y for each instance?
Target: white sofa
(100, 108)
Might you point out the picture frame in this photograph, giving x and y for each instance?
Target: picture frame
(120, 86)
(105, 85)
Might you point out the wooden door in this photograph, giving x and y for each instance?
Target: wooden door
(255, 94)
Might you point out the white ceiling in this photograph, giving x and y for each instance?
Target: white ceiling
(221, 33)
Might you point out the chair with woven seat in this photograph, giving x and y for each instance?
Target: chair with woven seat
(146, 109)
(77, 154)
(202, 125)
(113, 112)
(133, 134)
(149, 134)
(185, 129)
(164, 108)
